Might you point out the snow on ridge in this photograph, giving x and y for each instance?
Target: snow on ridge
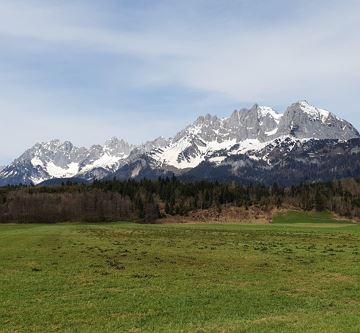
(314, 112)
(106, 161)
(265, 110)
(173, 155)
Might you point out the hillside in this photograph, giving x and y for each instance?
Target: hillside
(150, 201)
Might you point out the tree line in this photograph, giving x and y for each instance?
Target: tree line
(150, 200)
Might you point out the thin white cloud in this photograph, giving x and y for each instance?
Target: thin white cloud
(314, 55)
(50, 25)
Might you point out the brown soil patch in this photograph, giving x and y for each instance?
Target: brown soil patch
(231, 215)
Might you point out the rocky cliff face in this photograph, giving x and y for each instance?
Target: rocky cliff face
(304, 121)
(258, 137)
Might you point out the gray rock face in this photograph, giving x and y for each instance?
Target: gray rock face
(159, 142)
(253, 123)
(259, 133)
(303, 120)
(116, 147)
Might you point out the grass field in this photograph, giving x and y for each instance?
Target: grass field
(300, 274)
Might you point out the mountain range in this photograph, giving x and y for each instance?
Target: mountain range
(303, 144)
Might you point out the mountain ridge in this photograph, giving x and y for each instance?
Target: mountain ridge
(257, 133)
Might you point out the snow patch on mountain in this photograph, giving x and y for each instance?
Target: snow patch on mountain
(175, 154)
(249, 145)
(267, 111)
(272, 132)
(106, 161)
(56, 171)
(37, 162)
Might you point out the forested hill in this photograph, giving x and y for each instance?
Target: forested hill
(148, 201)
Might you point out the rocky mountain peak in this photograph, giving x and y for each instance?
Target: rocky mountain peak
(159, 142)
(303, 120)
(153, 145)
(267, 112)
(308, 110)
(116, 146)
(56, 144)
(208, 119)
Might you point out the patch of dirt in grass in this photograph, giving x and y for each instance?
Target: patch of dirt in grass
(242, 283)
(135, 314)
(308, 290)
(241, 325)
(231, 215)
(335, 277)
(115, 290)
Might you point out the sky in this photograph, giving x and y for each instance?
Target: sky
(85, 71)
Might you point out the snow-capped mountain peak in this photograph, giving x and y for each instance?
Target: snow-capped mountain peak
(303, 120)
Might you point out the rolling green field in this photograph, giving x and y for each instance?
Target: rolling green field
(300, 274)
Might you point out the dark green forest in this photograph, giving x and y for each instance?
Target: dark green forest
(151, 200)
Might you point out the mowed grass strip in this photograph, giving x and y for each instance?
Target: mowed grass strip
(126, 277)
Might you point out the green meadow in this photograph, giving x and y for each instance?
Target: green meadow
(299, 274)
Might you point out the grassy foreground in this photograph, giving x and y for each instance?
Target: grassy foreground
(284, 277)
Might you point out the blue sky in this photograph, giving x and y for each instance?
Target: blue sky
(85, 71)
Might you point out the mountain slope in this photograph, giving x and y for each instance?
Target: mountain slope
(287, 162)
